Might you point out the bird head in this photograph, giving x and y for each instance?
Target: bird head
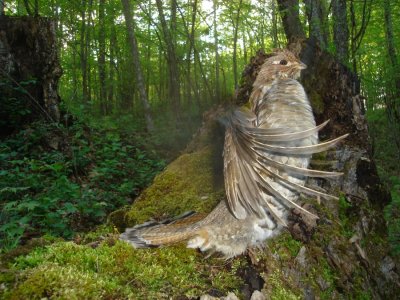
(281, 64)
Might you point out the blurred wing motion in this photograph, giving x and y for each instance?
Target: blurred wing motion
(254, 173)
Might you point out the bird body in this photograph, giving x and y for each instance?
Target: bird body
(267, 151)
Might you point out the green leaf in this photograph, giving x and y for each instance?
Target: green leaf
(69, 208)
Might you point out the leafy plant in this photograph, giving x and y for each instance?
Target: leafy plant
(60, 192)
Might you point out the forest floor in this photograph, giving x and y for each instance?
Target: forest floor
(52, 176)
(60, 182)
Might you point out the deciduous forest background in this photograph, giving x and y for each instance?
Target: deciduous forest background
(137, 77)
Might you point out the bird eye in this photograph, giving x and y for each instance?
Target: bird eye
(283, 62)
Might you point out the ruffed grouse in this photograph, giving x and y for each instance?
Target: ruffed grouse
(267, 151)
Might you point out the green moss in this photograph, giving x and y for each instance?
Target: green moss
(67, 270)
(63, 282)
(285, 246)
(317, 102)
(186, 184)
(277, 284)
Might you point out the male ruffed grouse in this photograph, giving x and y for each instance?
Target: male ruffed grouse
(266, 156)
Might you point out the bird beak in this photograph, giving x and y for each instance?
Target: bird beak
(302, 66)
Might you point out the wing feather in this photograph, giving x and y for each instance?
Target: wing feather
(248, 172)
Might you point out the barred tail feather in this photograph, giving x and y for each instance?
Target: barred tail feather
(155, 234)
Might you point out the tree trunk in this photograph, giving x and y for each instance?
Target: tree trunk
(392, 99)
(89, 27)
(274, 25)
(83, 53)
(102, 59)
(29, 71)
(358, 30)
(316, 21)
(235, 38)
(289, 11)
(216, 55)
(340, 30)
(136, 63)
(111, 82)
(173, 68)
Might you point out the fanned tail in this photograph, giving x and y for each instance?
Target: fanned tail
(156, 234)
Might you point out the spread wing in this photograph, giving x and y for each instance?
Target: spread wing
(249, 172)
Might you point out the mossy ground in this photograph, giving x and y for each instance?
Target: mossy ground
(98, 266)
(114, 270)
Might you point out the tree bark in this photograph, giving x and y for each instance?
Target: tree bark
(216, 54)
(136, 64)
(83, 53)
(102, 58)
(173, 67)
(316, 21)
(289, 11)
(274, 24)
(29, 71)
(340, 30)
(392, 99)
(113, 54)
(235, 38)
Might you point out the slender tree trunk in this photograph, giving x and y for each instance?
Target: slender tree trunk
(191, 37)
(391, 45)
(340, 30)
(111, 74)
(173, 68)
(315, 10)
(87, 50)
(148, 53)
(274, 24)
(289, 11)
(36, 8)
(102, 58)
(235, 38)
(83, 54)
(28, 8)
(2, 7)
(392, 99)
(353, 34)
(136, 63)
(245, 45)
(358, 30)
(217, 84)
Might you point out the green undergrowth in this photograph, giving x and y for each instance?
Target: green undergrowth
(387, 158)
(60, 180)
(392, 214)
(115, 270)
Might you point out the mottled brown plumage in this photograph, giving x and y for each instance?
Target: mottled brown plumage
(266, 156)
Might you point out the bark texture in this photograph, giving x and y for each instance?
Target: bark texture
(136, 63)
(340, 30)
(29, 71)
(289, 11)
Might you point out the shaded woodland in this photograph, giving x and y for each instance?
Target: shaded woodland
(136, 80)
